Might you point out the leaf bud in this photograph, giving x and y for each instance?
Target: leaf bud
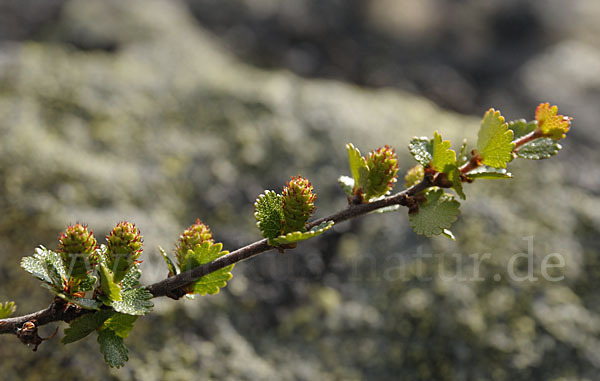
(195, 235)
(298, 203)
(123, 247)
(414, 176)
(383, 169)
(76, 245)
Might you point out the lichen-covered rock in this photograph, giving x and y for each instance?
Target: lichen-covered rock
(156, 124)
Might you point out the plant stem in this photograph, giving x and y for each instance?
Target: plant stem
(537, 133)
(473, 163)
(59, 310)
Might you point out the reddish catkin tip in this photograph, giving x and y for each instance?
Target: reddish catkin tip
(76, 246)
(383, 169)
(125, 239)
(196, 234)
(298, 202)
(77, 239)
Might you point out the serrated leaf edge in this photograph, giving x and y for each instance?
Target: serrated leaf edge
(298, 236)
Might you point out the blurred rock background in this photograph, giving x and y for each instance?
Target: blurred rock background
(162, 112)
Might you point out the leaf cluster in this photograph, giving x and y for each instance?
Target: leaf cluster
(373, 176)
(277, 218)
(201, 254)
(114, 304)
(498, 143)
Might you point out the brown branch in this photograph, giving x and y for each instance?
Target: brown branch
(60, 310)
(537, 133)
(173, 284)
(473, 163)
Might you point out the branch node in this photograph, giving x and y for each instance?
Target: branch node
(357, 199)
(441, 180)
(28, 334)
(175, 294)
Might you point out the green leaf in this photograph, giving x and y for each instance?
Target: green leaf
(437, 213)
(46, 266)
(347, 184)
(269, 214)
(84, 325)
(131, 279)
(56, 262)
(120, 324)
(551, 124)
(85, 303)
(202, 254)
(102, 254)
(538, 149)
(170, 264)
(484, 172)
(54, 274)
(358, 168)
(435, 153)
(34, 267)
(443, 156)
(88, 283)
(7, 309)
(113, 348)
(422, 150)
(355, 160)
(135, 301)
(123, 268)
(294, 237)
(213, 282)
(110, 290)
(521, 127)
(494, 141)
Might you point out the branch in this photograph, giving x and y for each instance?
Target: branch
(59, 310)
(537, 133)
(173, 284)
(10, 325)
